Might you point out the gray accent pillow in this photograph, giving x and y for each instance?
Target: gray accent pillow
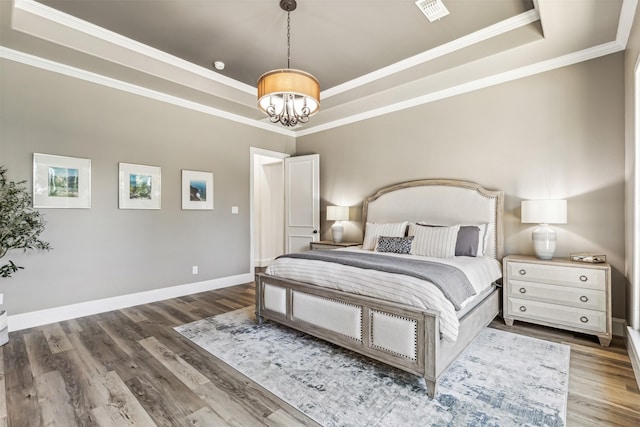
(396, 245)
(467, 243)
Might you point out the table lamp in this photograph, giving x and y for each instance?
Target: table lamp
(337, 214)
(544, 212)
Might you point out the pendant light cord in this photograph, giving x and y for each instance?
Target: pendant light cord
(288, 39)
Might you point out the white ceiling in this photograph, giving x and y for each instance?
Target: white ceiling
(371, 57)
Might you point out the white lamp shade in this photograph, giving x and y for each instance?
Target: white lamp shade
(544, 211)
(337, 213)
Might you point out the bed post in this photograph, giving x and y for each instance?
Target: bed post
(258, 282)
(431, 344)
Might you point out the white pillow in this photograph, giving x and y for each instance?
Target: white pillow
(438, 242)
(374, 230)
(483, 235)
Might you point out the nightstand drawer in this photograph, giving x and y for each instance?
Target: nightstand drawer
(560, 275)
(554, 294)
(588, 320)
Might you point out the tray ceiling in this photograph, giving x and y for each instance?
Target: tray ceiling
(371, 57)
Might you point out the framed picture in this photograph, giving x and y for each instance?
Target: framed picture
(61, 182)
(197, 190)
(140, 186)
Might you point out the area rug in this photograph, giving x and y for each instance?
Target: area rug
(501, 379)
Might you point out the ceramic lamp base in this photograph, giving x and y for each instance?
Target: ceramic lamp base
(544, 241)
(337, 230)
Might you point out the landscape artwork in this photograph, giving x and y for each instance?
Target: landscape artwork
(63, 182)
(140, 187)
(198, 190)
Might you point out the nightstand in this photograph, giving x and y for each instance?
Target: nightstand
(558, 293)
(328, 244)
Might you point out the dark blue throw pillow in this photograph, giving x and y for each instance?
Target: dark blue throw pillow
(396, 245)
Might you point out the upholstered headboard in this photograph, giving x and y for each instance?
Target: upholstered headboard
(440, 202)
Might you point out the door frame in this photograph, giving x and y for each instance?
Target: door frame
(253, 152)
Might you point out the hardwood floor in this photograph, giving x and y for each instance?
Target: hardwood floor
(129, 367)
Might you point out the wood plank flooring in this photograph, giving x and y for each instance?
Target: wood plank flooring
(129, 367)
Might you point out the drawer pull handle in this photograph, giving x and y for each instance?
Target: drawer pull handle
(584, 319)
(583, 278)
(523, 308)
(584, 298)
(522, 272)
(522, 290)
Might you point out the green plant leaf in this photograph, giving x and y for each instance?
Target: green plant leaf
(20, 224)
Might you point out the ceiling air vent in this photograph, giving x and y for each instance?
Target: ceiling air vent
(432, 9)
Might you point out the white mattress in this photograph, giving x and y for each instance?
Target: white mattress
(481, 272)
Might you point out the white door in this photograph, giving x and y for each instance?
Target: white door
(302, 201)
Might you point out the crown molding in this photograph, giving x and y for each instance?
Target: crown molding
(625, 23)
(56, 67)
(437, 52)
(529, 70)
(526, 71)
(623, 33)
(40, 10)
(507, 76)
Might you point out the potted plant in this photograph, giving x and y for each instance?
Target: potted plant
(20, 228)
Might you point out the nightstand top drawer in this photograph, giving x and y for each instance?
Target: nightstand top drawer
(578, 276)
(328, 244)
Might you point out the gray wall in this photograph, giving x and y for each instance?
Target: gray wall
(558, 134)
(103, 251)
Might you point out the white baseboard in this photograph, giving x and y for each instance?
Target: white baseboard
(633, 348)
(618, 327)
(58, 314)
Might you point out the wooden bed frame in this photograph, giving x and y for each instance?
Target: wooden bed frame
(399, 335)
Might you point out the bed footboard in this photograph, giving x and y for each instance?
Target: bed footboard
(398, 335)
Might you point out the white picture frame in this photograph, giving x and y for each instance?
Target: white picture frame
(197, 190)
(61, 182)
(140, 186)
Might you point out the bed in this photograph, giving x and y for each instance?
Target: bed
(421, 337)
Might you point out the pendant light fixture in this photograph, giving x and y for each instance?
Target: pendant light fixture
(288, 96)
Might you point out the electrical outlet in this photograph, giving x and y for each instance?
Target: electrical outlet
(194, 269)
(234, 210)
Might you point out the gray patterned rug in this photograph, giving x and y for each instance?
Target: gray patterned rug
(501, 379)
